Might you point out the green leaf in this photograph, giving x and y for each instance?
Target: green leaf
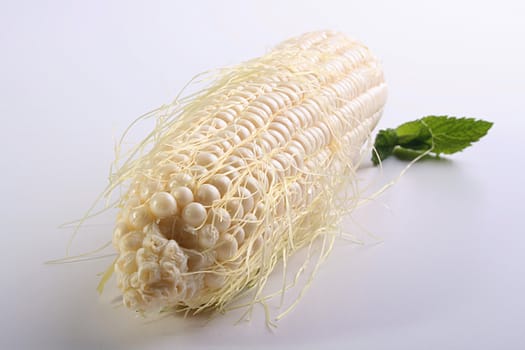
(412, 131)
(435, 134)
(384, 145)
(414, 135)
(451, 135)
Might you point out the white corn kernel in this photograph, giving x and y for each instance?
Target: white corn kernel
(230, 171)
(293, 118)
(198, 261)
(182, 195)
(278, 136)
(194, 214)
(250, 224)
(260, 109)
(273, 142)
(139, 217)
(218, 123)
(245, 153)
(287, 123)
(226, 247)
(297, 146)
(131, 241)
(220, 218)
(121, 228)
(326, 132)
(215, 280)
(257, 244)
(239, 235)
(280, 207)
(179, 158)
(309, 134)
(215, 150)
(198, 170)
(206, 159)
(231, 137)
(225, 116)
(248, 125)
(241, 131)
(221, 182)
(207, 236)
(256, 119)
(268, 102)
(306, 145)
(302, 116)
(236, 161)
(181, 179)
(281, 129)
(282, 162)
(253, 187)
(147, 189)
(265, 145)
(246, 199)
(207, 194)
(126, 262)
(259, 211)
(295, 193)
(163, 205)
(168, 170)
(235, 208)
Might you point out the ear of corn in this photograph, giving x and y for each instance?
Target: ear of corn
(245, 173)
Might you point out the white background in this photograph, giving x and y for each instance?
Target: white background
(449, 273)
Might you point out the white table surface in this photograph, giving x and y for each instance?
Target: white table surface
(449, 273)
